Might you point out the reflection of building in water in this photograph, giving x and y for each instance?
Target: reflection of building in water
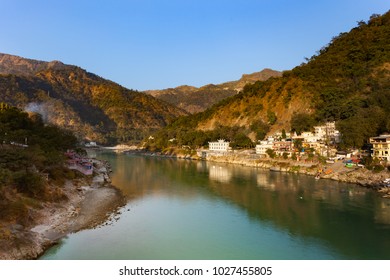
(382, 212)
(263, 181)
(220, 174)
(201, 166)
(91, 153)
(278, 181)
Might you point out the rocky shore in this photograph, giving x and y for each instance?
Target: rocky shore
(90, 202)
(335, 171)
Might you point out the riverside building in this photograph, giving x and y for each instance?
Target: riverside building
(381, 147)
(219, 146)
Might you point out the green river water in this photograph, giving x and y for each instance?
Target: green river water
(182, 209)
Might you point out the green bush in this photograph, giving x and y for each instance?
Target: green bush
(378, 168)
(294, 156)
(30, 183)
(271, 153)
(271, 117)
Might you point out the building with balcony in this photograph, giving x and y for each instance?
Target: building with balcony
(381, 147)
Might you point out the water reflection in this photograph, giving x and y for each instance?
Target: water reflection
(220, 174)
(352, 220)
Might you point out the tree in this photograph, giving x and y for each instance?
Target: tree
(260, 128)
(358, 129)
(271, 153)
(298, 144)
(242, 141)
(302, 122)
(271, 117)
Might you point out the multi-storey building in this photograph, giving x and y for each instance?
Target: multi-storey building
(219, 146)
(261, 149)
(327, 132)
(381, 147)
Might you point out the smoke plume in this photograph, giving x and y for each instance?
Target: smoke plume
(39, 108)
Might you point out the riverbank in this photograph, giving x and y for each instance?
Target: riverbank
(335, 171)
(89, 202)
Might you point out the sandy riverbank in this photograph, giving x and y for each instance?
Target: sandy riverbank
(89, 203)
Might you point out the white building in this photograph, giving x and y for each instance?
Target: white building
(91, 144)
(327, 132)
(261, 149)
(307, 137)
(219, 146)
(381, 147)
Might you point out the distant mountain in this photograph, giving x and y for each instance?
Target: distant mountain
(347, 81)
(93, 107)
(16, 65)
(262, 76)
(194, 100)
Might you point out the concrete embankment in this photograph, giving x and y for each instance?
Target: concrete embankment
(90, 202)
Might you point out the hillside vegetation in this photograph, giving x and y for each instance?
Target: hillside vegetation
(347, 81)
(94, 108)
(30, 151)
(194, 100)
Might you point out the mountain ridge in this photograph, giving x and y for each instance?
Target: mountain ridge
(93, 107)
(197, 99)
(17, 65)
(347, 81)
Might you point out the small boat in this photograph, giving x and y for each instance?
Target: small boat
(276, 169)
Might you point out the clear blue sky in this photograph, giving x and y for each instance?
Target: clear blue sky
(155, 44)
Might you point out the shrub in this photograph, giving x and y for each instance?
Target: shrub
(29, 183)
(294, 156)
(377, 168)
(271, 117)
(60, 173)
(271, 153)
(18, 211)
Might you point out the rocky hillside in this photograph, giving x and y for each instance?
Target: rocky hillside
(94, 108)
(194, 100)
(11, 64)
(347, 81)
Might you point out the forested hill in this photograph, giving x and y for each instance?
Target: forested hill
(194, 100)
(30, 151)
(94, 108)
(347, 81)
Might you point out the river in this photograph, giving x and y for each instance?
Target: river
(183, 209)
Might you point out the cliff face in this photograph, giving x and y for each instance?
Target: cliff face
(92, 107)
(194, 100)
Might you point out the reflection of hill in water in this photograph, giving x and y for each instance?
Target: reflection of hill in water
(345, 216)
